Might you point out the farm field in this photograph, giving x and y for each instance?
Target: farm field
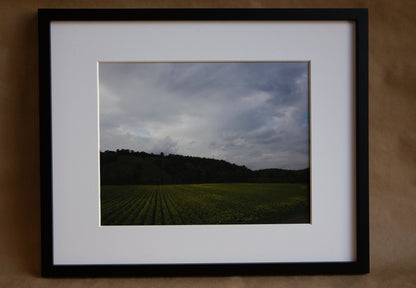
(194, 204)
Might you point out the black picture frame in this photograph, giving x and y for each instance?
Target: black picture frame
(359, 266)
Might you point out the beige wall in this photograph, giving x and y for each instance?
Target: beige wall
(392, 147)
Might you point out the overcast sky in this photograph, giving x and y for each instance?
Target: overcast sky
(248, 113)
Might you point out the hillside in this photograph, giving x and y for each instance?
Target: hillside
(126, 167)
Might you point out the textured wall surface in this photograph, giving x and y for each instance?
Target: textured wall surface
(392, 147)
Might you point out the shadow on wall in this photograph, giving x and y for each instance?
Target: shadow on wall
(20, 196)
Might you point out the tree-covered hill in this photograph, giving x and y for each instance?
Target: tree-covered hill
(123, 167)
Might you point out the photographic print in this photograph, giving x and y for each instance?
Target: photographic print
(204, 143)
(181, 146)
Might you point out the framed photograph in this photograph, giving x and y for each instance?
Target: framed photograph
(204, 141)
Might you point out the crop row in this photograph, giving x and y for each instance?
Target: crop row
(242, 203)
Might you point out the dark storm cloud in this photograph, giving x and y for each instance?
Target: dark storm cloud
(249, 113)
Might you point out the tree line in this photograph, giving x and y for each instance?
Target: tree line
(127, 167)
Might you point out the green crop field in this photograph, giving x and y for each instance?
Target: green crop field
(225, 203)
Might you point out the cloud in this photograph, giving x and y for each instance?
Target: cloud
(248, 113)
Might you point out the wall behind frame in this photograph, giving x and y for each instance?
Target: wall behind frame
(392, 147)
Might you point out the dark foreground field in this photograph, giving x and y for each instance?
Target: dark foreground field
(225, 203)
